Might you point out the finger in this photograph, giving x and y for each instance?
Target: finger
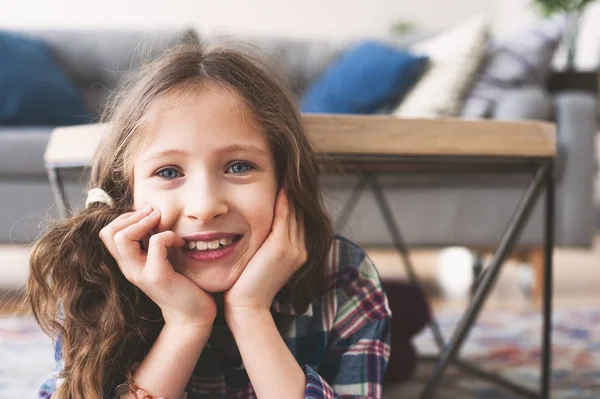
(107, 234)
(124, 220)
(281, 211)
(292, 224)
(301, 228)
(158, 249)
(141, 228)
(302, 237)
(127, 240)
(144, 211)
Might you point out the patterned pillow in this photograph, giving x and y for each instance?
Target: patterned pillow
(455, 56)
(522, 59)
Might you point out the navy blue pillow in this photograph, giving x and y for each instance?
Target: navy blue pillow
(33, 90)
(362, 80)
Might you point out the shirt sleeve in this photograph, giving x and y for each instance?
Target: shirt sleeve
(359, 341)
(51, 383)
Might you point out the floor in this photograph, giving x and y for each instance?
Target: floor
(576, 278)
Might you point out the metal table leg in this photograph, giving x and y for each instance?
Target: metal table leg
(546, 380)
(543, 176)
(58, 190)
(402, 248)
(357, 191)
(507, 243)
(392, 227)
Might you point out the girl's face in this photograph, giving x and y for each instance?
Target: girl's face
(210, 171)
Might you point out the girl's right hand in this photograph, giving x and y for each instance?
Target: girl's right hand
(180, 300)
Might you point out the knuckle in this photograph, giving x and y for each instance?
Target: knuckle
(120, 238)
(106, 232)
(283, 255)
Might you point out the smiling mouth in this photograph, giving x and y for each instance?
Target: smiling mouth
(212, 245)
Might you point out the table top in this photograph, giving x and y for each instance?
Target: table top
(358, 135)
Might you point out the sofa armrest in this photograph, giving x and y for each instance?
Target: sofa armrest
(524, 103)
(575, 114)
(575, 117)
(22, 151)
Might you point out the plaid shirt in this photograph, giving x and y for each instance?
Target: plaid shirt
(342, 341)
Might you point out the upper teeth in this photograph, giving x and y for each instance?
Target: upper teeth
(204, 245)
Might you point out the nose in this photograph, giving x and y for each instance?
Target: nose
(205, 202)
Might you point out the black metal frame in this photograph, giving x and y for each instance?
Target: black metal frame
(368, 167)
(543, 177)
(58, 190)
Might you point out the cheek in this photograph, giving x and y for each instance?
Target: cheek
(259, 212)
(261, 221)
(164, 203)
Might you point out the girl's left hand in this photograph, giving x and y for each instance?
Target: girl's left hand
(279, 257)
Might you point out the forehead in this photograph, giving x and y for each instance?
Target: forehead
(200, 119)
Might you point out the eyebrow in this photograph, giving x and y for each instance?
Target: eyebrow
(243, 148)
(167, 153)
(228, 149)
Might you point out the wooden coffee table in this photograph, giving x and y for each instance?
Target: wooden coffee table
(374, 145)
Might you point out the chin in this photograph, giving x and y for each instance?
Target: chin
(214, 288)
(213, 282)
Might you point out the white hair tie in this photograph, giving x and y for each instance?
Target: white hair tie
(98, 195)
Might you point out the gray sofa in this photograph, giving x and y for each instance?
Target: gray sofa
(432, 210)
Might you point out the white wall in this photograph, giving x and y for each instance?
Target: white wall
(307, 18)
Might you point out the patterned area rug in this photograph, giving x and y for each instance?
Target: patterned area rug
(502, 341)
(508, 343)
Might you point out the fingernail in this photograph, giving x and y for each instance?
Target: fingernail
(147, 208)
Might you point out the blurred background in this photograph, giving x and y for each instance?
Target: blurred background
(308, 19)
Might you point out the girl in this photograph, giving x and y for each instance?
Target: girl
(204, 264)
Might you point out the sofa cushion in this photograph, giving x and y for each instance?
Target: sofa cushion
(525, 103)
(455, 56)
(367, 76)
(524, 58)
(301, 61)
(34, 89)
(304, 60)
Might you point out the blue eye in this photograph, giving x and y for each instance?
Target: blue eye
(168, 173)
(239, 168)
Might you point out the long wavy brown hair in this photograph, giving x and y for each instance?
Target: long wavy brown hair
(76, 290)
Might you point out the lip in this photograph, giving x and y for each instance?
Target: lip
(216, 254)
(210, 236)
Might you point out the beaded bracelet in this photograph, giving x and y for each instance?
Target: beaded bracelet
(131, 387)
(138, 393)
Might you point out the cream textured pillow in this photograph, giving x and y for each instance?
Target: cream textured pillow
(455, 56)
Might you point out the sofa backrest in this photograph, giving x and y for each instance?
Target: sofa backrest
(303, 60)
(97, 60)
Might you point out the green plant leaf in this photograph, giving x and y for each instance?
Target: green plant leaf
(549, 7)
